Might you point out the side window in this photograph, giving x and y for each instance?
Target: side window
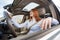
(1, 12)
(57, 3)
(2, 4)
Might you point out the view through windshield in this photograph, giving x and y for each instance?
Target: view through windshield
(2, 4)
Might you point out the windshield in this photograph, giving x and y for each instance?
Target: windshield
(2, 4)
(57, 3)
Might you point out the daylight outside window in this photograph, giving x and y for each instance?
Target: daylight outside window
(2, 4)
(57, 3)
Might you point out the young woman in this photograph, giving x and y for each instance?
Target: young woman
(36, 21)
(42, 24)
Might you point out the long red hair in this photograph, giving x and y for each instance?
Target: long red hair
(36, 15)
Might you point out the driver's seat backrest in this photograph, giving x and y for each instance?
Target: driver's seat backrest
(42, 12)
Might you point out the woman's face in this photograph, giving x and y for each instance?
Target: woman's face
(31, 14)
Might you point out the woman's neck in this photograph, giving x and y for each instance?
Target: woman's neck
(38, 19)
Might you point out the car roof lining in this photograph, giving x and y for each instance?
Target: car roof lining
(19, 4)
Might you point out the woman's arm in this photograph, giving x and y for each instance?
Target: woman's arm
(17, 24)
(54, 21)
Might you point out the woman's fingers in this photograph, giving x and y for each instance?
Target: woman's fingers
(46, 24)
(43, 24)
(49, 22)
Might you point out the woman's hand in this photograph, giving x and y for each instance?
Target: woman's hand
(46, 23)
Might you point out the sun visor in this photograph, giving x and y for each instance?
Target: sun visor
(30, 6)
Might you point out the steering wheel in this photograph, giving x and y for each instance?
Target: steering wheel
(11, 28)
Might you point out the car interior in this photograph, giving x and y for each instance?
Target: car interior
(17, 8)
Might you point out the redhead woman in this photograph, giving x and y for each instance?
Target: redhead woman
(42, 24)
(45, 22)
(36, 21)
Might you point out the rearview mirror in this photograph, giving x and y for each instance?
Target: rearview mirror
(30, 6)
